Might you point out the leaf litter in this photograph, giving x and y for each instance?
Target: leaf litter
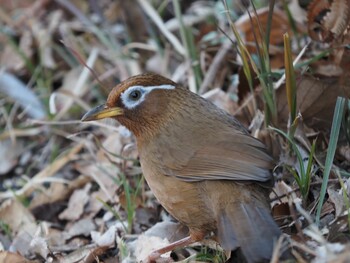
(73, 192)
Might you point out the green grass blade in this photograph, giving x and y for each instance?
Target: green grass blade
(295, 149)
(188, 42)
(115, 213)
(130, 206)
(291, 21)
(269, 23)
(247, 60)
(309, 167)
(337, 119)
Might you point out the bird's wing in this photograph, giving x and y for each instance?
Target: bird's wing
(237, 157)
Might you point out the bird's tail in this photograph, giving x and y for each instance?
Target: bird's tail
(250, 228)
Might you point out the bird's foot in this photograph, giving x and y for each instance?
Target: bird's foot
(155, 255)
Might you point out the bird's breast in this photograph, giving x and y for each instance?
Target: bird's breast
(182, 200)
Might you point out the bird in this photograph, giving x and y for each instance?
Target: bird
(201, 163)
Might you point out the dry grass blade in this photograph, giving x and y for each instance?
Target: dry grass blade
(290, 80)
(49, 171)
(151, 12)
(79, 87)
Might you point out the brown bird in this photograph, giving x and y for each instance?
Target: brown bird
(200, 162)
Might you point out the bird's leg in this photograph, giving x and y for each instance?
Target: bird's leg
(192, 238)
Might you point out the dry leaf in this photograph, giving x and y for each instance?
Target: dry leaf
(221, 99)
(82, 227)
(9, 257)
(17, 217)
(11, 58)
(338, 201)
(146, 244)
(20, 93)
(9, 153)
(327, 20)
(57, 191)
(279, 26)
(76, 204)
(316, 100)
(39, 245)
(106, 239)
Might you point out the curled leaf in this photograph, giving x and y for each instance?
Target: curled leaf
(328, 20)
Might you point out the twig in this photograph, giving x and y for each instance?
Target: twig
(214, 67)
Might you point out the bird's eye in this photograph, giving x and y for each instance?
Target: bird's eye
(135, 95)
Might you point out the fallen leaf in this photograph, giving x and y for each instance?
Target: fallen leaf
(9, 153)
(11, 59)
(82, 227)
(20, 93)
(17, 217)
(338, 201)
(9, 257)
(76, 204)
(316, 100)
(106, 239)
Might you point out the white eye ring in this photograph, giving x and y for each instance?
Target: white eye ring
(135, 95)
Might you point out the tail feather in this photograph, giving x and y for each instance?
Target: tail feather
(250, 228)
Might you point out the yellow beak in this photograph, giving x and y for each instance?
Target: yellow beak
(102, 112)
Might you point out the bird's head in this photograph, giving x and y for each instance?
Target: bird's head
(141, 103)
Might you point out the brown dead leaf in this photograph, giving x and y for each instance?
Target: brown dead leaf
(101, 174)
(327, 20)
(76, 84)
(327, 213)
(282, 190)
(145, 218)
(344, 151)
(337, 227)
(338, 201)
(9, 153)
(9, 257)
(106, 239)
(21, 222)
(39, 244)
(69, 86)
(157, 236)
(279, 26)
(82, 227)
(315, 100)
(77, 255)
(76, 204)
(52, 168)
(95, 204)
(11, 58)
(280, 206)
(93, 254)
(17, 217)
(280, 212)
(43, 36)
(221, 99)
(57, 192)
(115, 143)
